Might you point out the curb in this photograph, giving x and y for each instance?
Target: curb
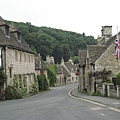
(93, 101)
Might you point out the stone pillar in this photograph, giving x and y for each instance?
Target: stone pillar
(108, 90)
(103, 86)
(118, 91)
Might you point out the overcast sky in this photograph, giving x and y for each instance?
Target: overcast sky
(72, 15)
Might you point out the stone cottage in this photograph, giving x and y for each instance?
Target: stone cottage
(69, 70)
(40, 67)
(60, 75)
(97, 58)
(16, 57)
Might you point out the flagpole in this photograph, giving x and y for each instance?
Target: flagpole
(118, 50)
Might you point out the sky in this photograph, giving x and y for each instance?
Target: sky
(78, 16)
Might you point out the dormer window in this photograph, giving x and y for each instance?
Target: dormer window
(18, 36)
(7, 30)
(16, 33)
(0, 57)
(4, 27)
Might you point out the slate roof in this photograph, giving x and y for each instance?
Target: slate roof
(82, 57)
(69, 66)
(2, 22)
(108, 43)
(94, 51)
(12, 41)
(66, 73)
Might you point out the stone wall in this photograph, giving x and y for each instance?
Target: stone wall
(108, 60)
(111, 90)
(20, 63)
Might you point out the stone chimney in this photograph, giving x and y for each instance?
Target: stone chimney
(106, 34)
(48, 59)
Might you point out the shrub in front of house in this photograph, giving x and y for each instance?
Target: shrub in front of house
(118, 79)
(96, 94)
(11, 93)
(42, 82)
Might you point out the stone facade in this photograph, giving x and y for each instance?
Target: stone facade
(108, 60)
(98, 58)
(16, 57)
(22, 63)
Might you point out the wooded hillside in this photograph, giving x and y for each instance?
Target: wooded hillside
(53, 42)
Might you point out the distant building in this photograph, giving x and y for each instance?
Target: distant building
(69, 70)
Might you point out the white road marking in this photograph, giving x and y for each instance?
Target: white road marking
(102, 114)
(97, 108)
(90, 101)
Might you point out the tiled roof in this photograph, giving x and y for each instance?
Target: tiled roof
(82, 57)
(108, 43)
(69, 66)
(94, 51)
(66, 73)
(12, 41)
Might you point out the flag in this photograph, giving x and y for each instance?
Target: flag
(117, 47)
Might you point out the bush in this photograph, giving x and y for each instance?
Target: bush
(2, 95)
(42, 82)
(12, 93)
(118, 79)
(96, 93)
(3, 78)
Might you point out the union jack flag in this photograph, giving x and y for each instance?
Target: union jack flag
(117, 47)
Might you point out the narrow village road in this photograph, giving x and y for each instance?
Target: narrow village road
(55, 104)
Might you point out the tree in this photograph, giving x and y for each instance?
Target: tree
(65, 52)
(3, 78)
(42, 82)
(57, 53)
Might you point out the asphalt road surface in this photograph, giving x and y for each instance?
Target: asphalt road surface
(55, 104)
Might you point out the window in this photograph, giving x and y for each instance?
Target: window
(10, 72)
(42, 72)
(16, 55)
(24, 57)
(32, 58)
(29, 58)
(20, 56)
(7, 31)
(18, 36)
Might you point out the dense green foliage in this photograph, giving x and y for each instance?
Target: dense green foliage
(51, 72)
(12, 93)
(118, 79)
(3, 78)
(42, 82)
(54, 42)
